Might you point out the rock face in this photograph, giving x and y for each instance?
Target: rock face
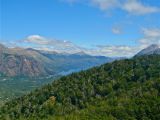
(152, 49)
(31, 62)
(12, 64)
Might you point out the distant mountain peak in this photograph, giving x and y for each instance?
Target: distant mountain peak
(153, 46)
(152, 49)
(30, 49)
(81, 53)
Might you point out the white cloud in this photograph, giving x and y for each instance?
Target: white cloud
(155, 32)
(61, 46)
(134, 7)
(151, 36)
(116, 50)
(105, 4)
(40, 42)
(137, 8)
(36, 39)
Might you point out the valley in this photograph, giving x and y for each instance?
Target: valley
(13, 87)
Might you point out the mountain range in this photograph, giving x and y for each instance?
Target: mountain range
(32, 63)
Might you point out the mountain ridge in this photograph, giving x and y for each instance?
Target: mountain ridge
(19, 61)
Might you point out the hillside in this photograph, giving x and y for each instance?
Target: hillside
(32, 63)
(123, 90)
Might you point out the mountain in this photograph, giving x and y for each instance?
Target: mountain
(17, 61)
(152, 49)
(122, 90)
(31, 62)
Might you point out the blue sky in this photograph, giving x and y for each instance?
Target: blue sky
(97, 27)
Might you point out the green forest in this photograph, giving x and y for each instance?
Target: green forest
(122, 90)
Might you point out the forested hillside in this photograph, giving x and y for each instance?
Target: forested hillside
(123, 90)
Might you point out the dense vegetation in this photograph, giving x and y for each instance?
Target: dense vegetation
(122, 90)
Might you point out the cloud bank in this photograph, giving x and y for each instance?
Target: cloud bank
(40, 42)
(150, 36)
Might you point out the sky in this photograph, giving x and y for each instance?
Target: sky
(96, 27)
